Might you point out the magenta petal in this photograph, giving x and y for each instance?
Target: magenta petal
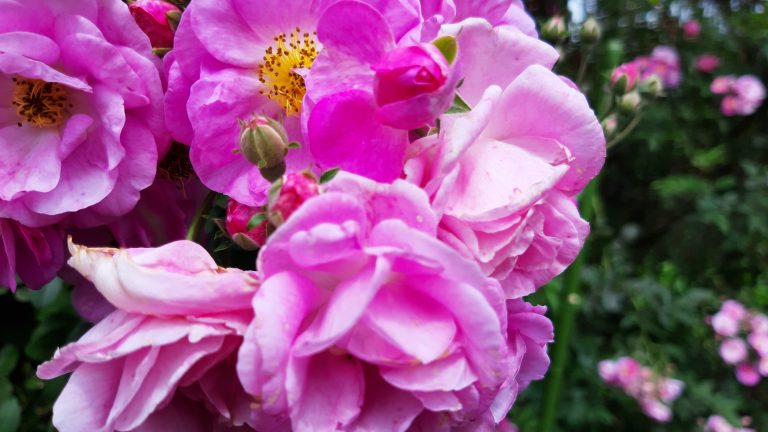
(346, 305)
(314, 410)
(280, 306)
(89, 393)
(372, 36)
(412, 322)
(386, 408)
(30, 162)
(490, 56)
(32, 45)
(562, 114)
(343, 132)
(225, 35)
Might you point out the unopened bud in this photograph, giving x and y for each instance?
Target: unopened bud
(154, 19)
(247, 226)
(629, 103)
(652, 86)
(296, 188)
(624, 78)
(610, 124)
(554, 29)
(590, 30)
(264, 142)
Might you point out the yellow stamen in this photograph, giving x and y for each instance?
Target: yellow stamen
(282, 84)
(40, 103)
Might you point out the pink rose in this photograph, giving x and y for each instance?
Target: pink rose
(91, 144)
(179, 322)
(358, 295)
(503, 177)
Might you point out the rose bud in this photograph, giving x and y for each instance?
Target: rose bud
(152, 18)
(239, 216)
(554, 29)
(629, 103)
(610, 124)
(297, 187)
(264, 142)
(413, 85)
(624, 78)
(590, 30)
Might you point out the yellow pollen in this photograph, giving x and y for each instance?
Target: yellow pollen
(40, 103)
(295, 51)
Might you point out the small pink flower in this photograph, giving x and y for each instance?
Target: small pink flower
(151, 17)
(762, 366)
(670, 389)
(747, 374)
(628, 371)
(692, 29)
(716, 423)
(296, 189)
(707, 63)
(727, 321)
(656, 410)
(759, 323)
(759, 341)
(722, 84)
(733, 350)
(608, 371)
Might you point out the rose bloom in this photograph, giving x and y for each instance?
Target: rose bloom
(503, 178)
(358, 295)
(83, 129)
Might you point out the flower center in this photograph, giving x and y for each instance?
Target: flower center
(40, 103)
(278, 72)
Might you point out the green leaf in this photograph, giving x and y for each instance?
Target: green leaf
(329, 175)
(458, 106)
(294, 145)
(256, 220)
(9, 356)
(10, 415)
(448, 47)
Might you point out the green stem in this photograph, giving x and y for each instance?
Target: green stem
(204, 208)
(569, 303)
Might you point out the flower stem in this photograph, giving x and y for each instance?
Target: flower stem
(202, 210)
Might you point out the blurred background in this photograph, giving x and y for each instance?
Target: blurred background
(678, 220)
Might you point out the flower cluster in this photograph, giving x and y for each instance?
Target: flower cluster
(744, 340)
(652, 391)
(406, 171)
(743, 95)
(663, 63)
(716, 423)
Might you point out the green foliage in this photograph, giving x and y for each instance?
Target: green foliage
(680, 224)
